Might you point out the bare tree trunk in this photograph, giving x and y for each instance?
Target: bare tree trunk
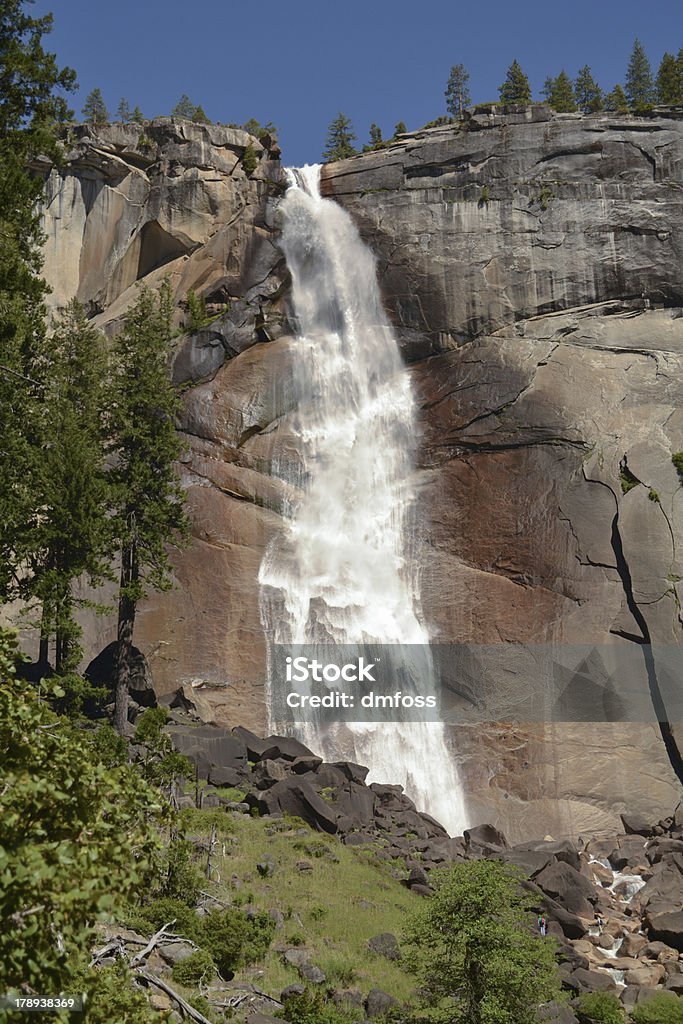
(127, 609)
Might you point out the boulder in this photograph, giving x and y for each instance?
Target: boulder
(101, 672)
(385, 945)
(645, 974)
(666, 927)
(378, 1003)
(312, 974)
(636, 825)
(566, 885)
(484, 839)
(581, 980)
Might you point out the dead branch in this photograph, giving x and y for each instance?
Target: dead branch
(185, 1007)
(154, 941)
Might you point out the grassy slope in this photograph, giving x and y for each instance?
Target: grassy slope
(331, 911)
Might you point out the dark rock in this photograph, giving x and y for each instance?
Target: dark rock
(485, 839)
(266, 773)
(264, 1018)
(348, 997)
(566, 885)
(417, 876)
(658, 847)
(377, 1003)
(304, 865)
(422, 890)
(629, 852)
(294, 796)
(221, 775)
(101, 672)
(208, 746)
(306, 763)
(292, 990)
(385, 945)
(309, 972)
(266, 867)
(285, 747)
(581, 980)
(175, 952)
(296, 956)
(276, 916)
(666, 927)
(353, 772)
(636, 825)
(255, 746)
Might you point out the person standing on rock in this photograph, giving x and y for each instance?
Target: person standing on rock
(542, 925)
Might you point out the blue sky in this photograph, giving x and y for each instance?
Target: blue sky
(297, 63)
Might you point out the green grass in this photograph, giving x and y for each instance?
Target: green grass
(347, 897)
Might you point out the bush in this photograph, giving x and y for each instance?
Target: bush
(155, 914)
(599, 1008)
(111, 995)
(233, 939)
(677, 459)
(249, 159)
(662, 1008)
(312, 1008)
(197, 968)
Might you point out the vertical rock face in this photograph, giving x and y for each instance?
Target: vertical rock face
(532, 265)
(537, 258)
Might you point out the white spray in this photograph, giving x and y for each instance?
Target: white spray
(344, 572)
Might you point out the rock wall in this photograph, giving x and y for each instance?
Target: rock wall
(531, 263)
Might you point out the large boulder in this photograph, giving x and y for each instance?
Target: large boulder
(102, 672)
(571, 889)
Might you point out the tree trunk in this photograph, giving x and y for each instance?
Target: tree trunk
(44, 648)
(127, 609)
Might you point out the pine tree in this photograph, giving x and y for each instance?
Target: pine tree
(184, 108)
(640, 89)
(400, 129)
(587, 91)
(340, 138)
(137, 116)
(616, 100)
(68, 536)
(670, 79)
(29, 109)
(199, 116)
(515, 88)
(94, 109)
(123, 112)
(148, 506)
(457, 93)
(375, 135)
(559, 93)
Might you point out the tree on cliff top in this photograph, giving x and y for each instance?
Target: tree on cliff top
(670, 79)
(640, 88)
(473, 951)
(148, 499)
(559, 92)
(457, 93)
(515, 88)
(587, 91)
(340, 139)
(184, 108)
(95, 109)
(617, 100)
(29, 110)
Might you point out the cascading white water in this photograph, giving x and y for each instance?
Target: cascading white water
(344, 571)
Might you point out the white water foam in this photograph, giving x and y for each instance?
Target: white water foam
(345, 572)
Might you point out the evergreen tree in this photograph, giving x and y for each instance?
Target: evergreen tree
(95, 109)
(475, 956)
(68, 536)
(184, 108)
(340, 138)
(400, 129)
(457, 93)
(29, 109)
(148, 502)
(670, 79)
(375, 135)
(199, 116)
(640, 89)
(123, 112)
(616, 100)
(515, 88)
(137, 116)
(559, 93)
(587, 91)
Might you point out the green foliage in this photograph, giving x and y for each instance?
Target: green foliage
(110, 748)
(249, 159)
(587, 91)
(68, 535)
(199, 116)
(95, 109)
(265, 133)
(184, 108)
(123, 111)
(137, 116)
(677, 459)
(198, 968)
(640, 88)
(375, 134)
(599, 1008)
(457, 93)
(617, 100)
(235, 940)
(311, 1007)
(484, 196)
(111, 995)
(162, 764)
(340, 138)
(29, 111)
(559, 93)
(627, 479)
(400, 129)
(180, 879)
(196, 309)
(473, 952)
(75, 836)
(661, 1008)
(515, 88)
(670, 79)
(160, 911)
(653, 495)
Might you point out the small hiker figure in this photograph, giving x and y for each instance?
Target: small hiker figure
(542, 925)
(599, 921)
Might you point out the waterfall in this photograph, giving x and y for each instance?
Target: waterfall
(345, 570)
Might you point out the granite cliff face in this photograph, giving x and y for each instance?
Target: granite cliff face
(532, 265)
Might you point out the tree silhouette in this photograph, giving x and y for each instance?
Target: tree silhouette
(515, 88)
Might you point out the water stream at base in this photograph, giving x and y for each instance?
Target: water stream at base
(344, 571)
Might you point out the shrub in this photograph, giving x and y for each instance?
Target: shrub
(312, 1008)
(249, 159)
(661, 1008)
(599, 1008)
(195, 969)
(677, 459)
